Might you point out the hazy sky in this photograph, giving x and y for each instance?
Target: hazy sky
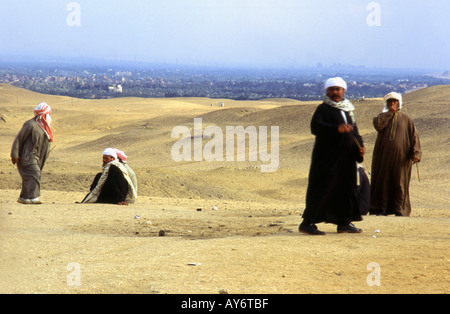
(389, 33)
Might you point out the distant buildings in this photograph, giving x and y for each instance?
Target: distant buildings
(115, 88)
(235, 84)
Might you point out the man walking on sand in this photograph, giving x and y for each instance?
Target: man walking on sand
(331, 195)
(30, 151)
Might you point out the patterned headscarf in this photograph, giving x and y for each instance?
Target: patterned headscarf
(121, 155)
(43, 112)
(344, 105)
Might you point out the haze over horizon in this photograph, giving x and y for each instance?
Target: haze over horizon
(289, 33)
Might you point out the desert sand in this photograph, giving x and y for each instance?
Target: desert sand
(228, 225)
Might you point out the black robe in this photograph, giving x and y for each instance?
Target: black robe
(331, 195)
(115, 188)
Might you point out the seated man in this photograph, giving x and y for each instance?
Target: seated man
(113, 185)
(122, 157)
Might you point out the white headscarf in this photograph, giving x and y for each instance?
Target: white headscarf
(335, 81)
(110, 152)
(392, 95)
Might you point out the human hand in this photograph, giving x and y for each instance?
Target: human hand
(393, 105)
(362, 151)
(345, 128)
(14, 160)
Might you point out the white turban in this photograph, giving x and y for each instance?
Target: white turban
(110, 152)
(392, 95)
(335, 81)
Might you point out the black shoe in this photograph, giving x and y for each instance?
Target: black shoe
(310, 229)
(350, 228)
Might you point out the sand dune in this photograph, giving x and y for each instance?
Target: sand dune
(433, 94)
(249, 245)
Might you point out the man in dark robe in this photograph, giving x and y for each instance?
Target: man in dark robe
(113, 185)
(331, 195)
(30, 151)
(397, 147)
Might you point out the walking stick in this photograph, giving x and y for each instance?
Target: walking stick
(418, 174)
(51, 151)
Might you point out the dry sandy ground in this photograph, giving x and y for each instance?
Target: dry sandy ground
(250, 244)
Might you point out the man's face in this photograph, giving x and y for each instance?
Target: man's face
(107, 159)
(336, 93)
(393, 105)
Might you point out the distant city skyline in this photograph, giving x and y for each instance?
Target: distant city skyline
(265, 33)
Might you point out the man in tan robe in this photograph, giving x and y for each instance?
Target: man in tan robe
(30, 151)
(397, 148)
